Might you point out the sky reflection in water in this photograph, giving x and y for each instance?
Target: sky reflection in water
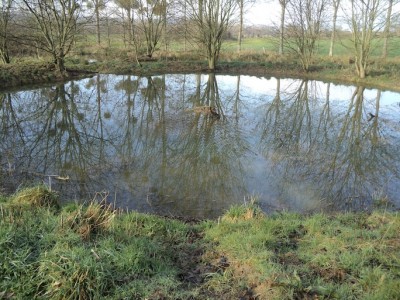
(294, 144)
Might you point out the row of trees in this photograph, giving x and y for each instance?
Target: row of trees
(49, 26)
(52, 25)
(367, 20)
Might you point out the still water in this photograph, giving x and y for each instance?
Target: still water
(143, 143)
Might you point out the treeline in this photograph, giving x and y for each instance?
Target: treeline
(34, 27)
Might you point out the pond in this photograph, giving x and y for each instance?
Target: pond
(153, 145)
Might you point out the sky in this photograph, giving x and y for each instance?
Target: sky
(263, 13)
(268, 12)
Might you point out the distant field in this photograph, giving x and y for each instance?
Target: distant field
(343, 47)
(252, 44)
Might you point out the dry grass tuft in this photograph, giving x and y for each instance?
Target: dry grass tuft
(39, 196)
(91, 220)
(248, 211)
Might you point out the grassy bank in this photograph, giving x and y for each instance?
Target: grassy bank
(94, 252)
(383, 73)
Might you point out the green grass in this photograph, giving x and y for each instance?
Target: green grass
(286, 256)
(252, 44)
(94, 252)
(44, 254)
(87, 45)
(343, 46)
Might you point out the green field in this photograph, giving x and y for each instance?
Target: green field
(343, 47)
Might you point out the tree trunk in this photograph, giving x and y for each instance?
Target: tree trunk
(60, 65)
(186, 26)
(241, 5)
(165, 26)
(361, 72)
(305, 64)
(98, 21)
(201, 11)
(211, 63)
(130, 26)
(5, 57)
(333, 36)
(108, 32)
(386, 31)
(5, 17)
(281, 33)
(123, 27)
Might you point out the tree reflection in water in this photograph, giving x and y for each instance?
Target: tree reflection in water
(295, 144)
(343, 158)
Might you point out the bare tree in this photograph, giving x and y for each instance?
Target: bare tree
(365, 22)
(145, 22)
(56, 26)
(283, 4)
(242, 9)
(211, 19)
(303, 29)
(128, 7)
(152, 18)
(386, 31)
(98, 6)
(129, 24)
(241, 12)
(335, 4)
(5, 18)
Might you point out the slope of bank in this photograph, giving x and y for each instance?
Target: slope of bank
(95, 252)
(383, 74)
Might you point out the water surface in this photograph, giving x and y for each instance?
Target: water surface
(142, 143)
